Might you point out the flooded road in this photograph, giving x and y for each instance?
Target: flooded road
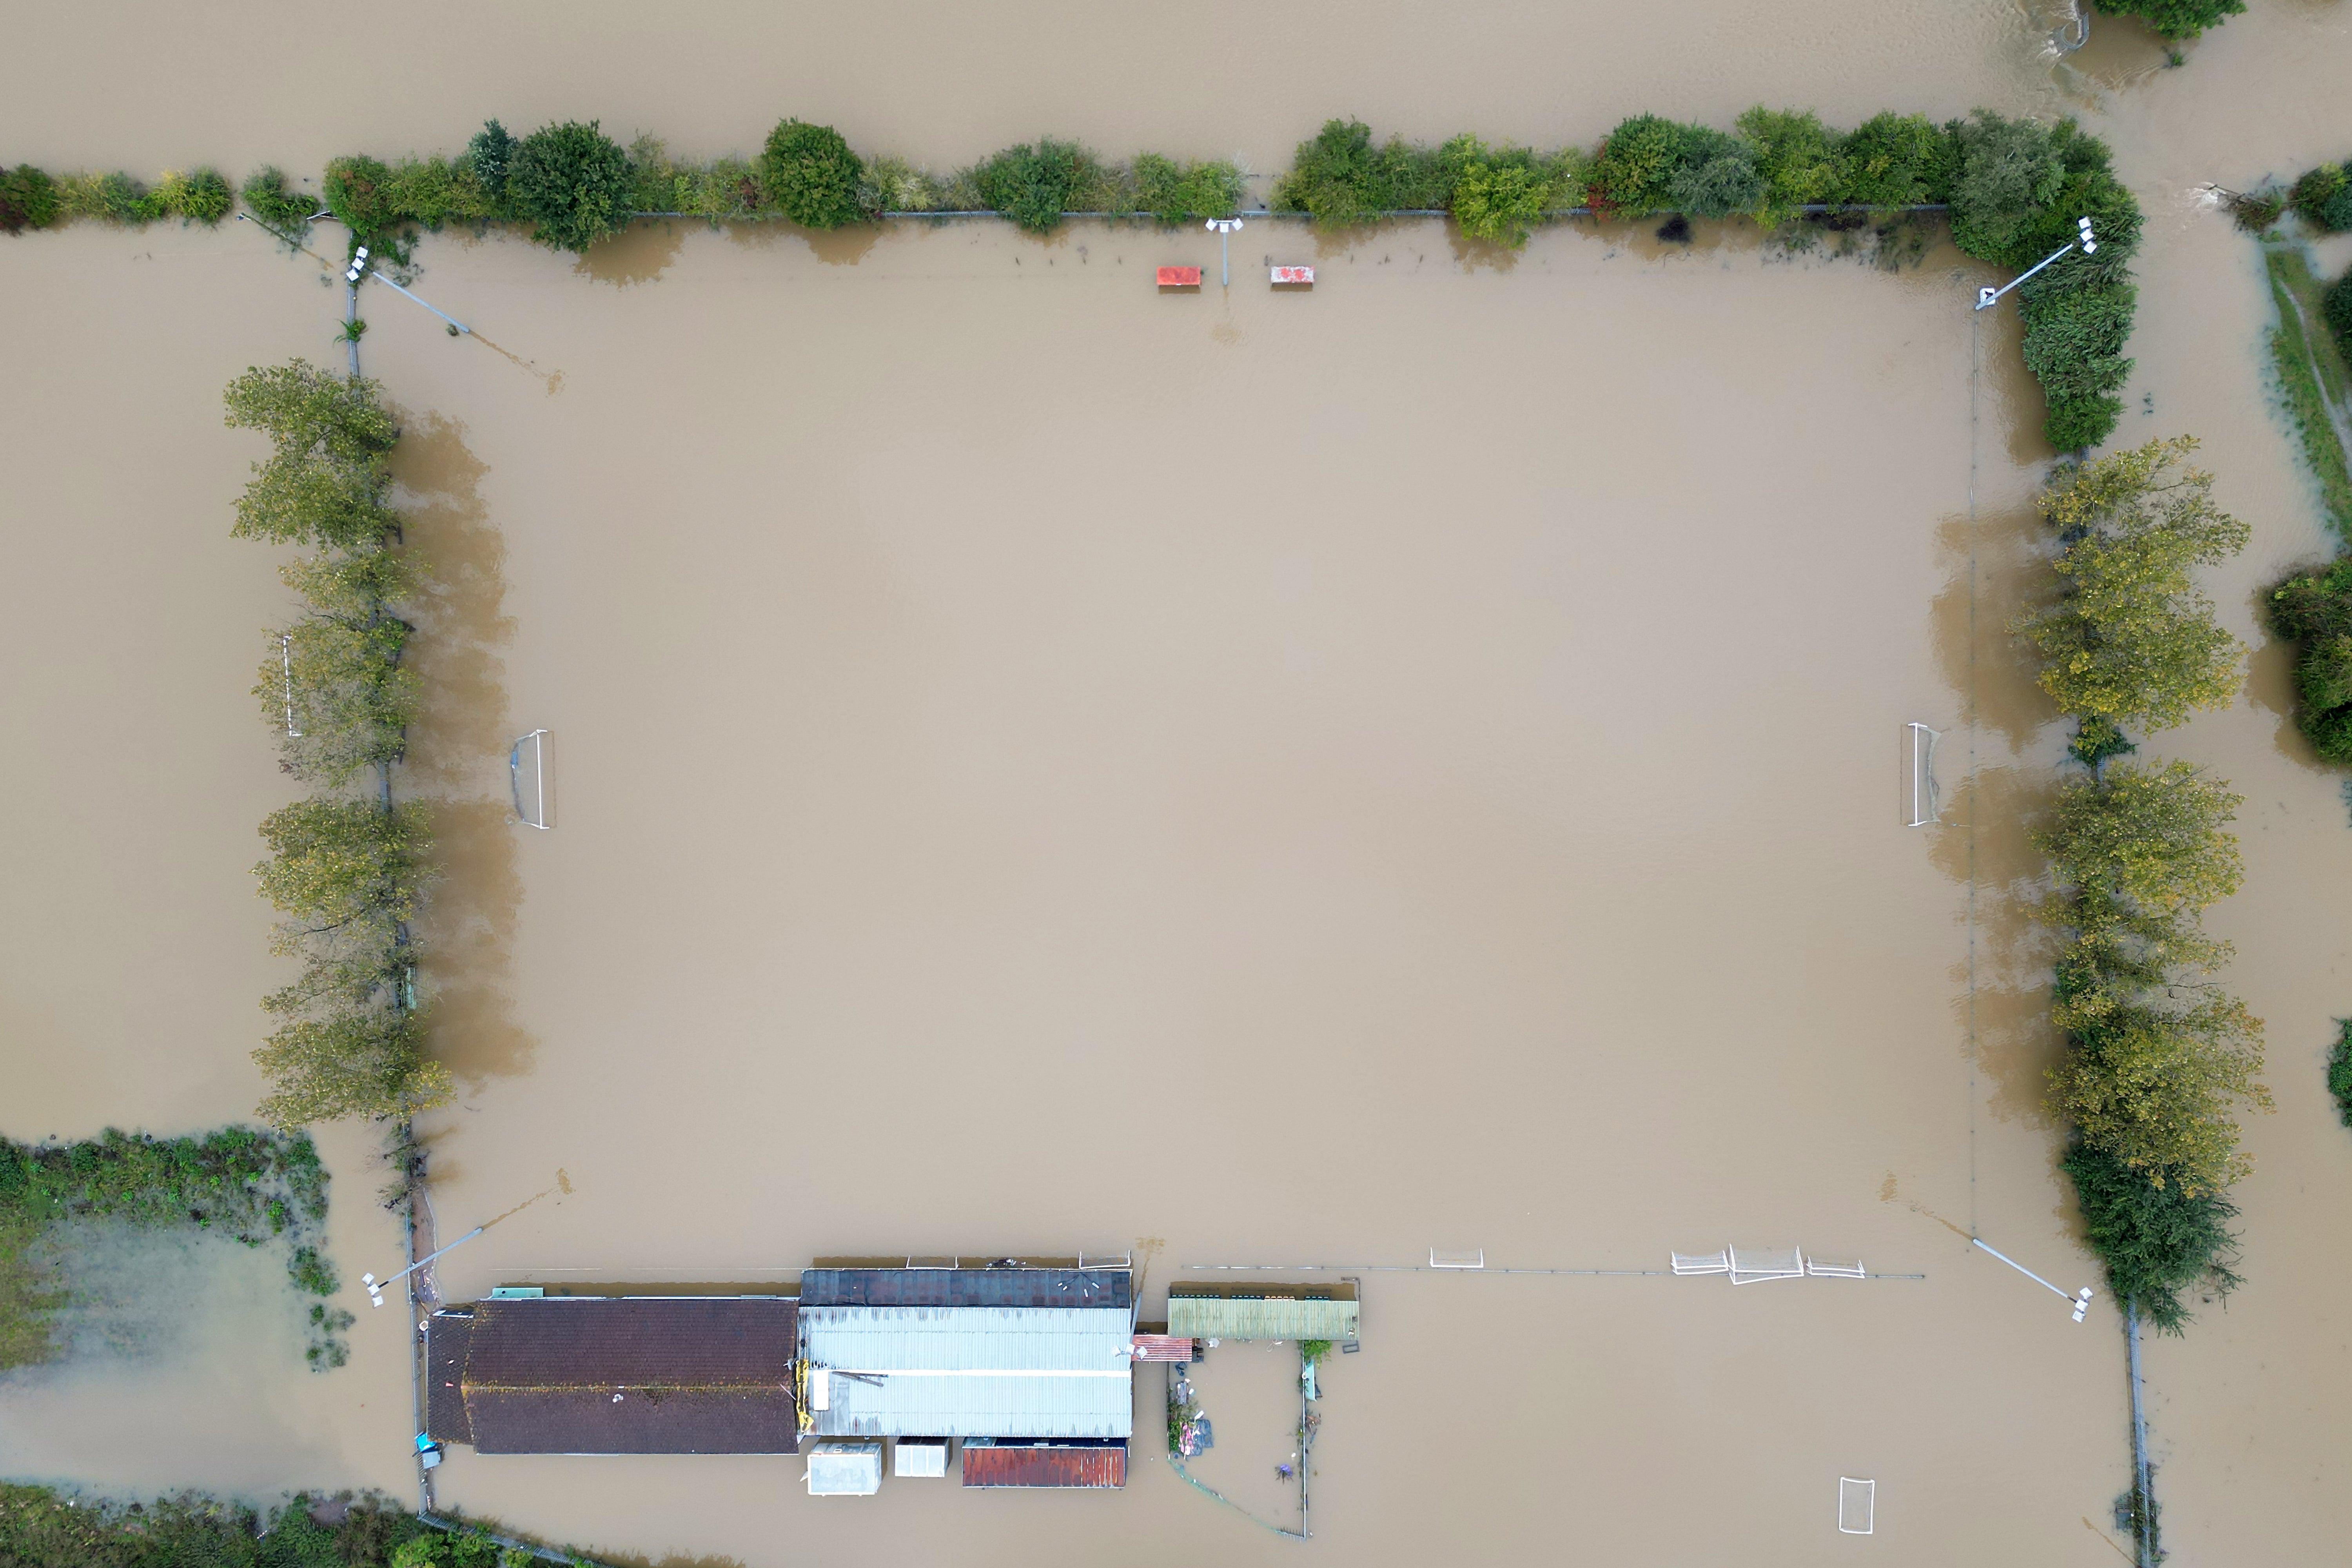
(1294, 778)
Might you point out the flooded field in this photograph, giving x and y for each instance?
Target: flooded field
(1039, 764)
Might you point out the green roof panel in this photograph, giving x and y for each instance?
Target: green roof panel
(1261, 1318)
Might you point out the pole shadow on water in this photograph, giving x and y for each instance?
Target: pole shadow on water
(458, 751)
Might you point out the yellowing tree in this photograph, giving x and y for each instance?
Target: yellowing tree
(2129, 640)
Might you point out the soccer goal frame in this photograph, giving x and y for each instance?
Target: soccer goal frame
(537, 817)
(1926, 805)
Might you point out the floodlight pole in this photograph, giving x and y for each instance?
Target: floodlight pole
(2079, 1300)
(2083, 236)
(1224, 228)
(375, 1287)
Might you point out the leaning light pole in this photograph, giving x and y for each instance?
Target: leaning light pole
(1987, 294)
(375, 1287)
(1224, 228)
(2079, 1300)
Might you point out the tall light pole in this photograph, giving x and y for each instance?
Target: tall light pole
(2079, 1300)
(375, 1287)
(1987, 294)
(1224, 228)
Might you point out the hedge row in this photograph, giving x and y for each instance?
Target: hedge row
(41, 1527)
(2014, 189)
(31, 198)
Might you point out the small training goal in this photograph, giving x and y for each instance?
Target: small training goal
(1857, 1506)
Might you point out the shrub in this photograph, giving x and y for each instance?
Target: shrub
(1634, 173)
(1800, 162)
(353, 190)
(1341, 179)
(28, 199)
(109, 198)
(2339, 1071)
(203, 196)
(1896, 161)
(2315, 610)
(2337, 306)
(266, 197)
(1497, 194)
(2131, 640)
(2158, 1241)
(1032, 185)
(1718, 177)
(435, 191)
(811, 175)
(572, 181)
(2174, 19)
(1185, 193)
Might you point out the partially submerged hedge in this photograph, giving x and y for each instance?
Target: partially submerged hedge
(32, 198)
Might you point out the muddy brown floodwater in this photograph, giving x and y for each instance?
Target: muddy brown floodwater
(1037, 764)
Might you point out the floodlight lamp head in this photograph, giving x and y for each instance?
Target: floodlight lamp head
(1986, 296)
(2089, 245)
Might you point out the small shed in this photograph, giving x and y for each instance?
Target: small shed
(845, 1469)
(1061, 1465)
(921, 1458)
(1307, 1312)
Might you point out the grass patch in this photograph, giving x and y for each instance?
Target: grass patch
(41, 1527)
(2314, 381)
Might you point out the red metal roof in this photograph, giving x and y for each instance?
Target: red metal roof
(1180, 278)
(1293, 275)
(1177, 1348)
(1093, 1465)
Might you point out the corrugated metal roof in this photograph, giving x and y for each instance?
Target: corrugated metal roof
(1044, 1465)
(1261, 1318)
(1177, 1348)
(447, 1336)
(966, 1287)
(972, 1372)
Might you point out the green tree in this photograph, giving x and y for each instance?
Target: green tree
(2130, 640)
(351, 700)
(351, 1063)
(2149, 844)
(811, 175)
(2174, 19)
(489, 153)
(325, 483)
(339, 862)
(2158, 1088)
(2006, 173)
(572, 181)
(2158, 1240)
(267, 197)
(303, 408)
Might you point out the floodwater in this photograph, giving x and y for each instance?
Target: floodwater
(1290, 779)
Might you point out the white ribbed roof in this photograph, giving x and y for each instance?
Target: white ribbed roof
(974, 1372)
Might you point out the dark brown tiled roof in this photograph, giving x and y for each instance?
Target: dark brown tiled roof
(692, 1375)
(446, 1337)
(965, 1287)
(634, 1420)
(1044, 1465)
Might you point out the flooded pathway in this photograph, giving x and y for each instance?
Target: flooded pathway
(1039, 764)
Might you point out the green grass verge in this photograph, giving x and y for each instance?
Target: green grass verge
(2313, 378)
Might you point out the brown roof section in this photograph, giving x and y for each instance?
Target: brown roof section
(447, 1336)
(1091, 1466)
(639, 1375)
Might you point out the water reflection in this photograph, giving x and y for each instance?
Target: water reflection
(457, 748)
(638, 254)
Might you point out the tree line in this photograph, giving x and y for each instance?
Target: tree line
(347, 864)
(2159, 1059)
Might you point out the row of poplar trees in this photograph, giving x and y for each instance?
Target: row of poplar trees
(347, 863)
(2160, 1058)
